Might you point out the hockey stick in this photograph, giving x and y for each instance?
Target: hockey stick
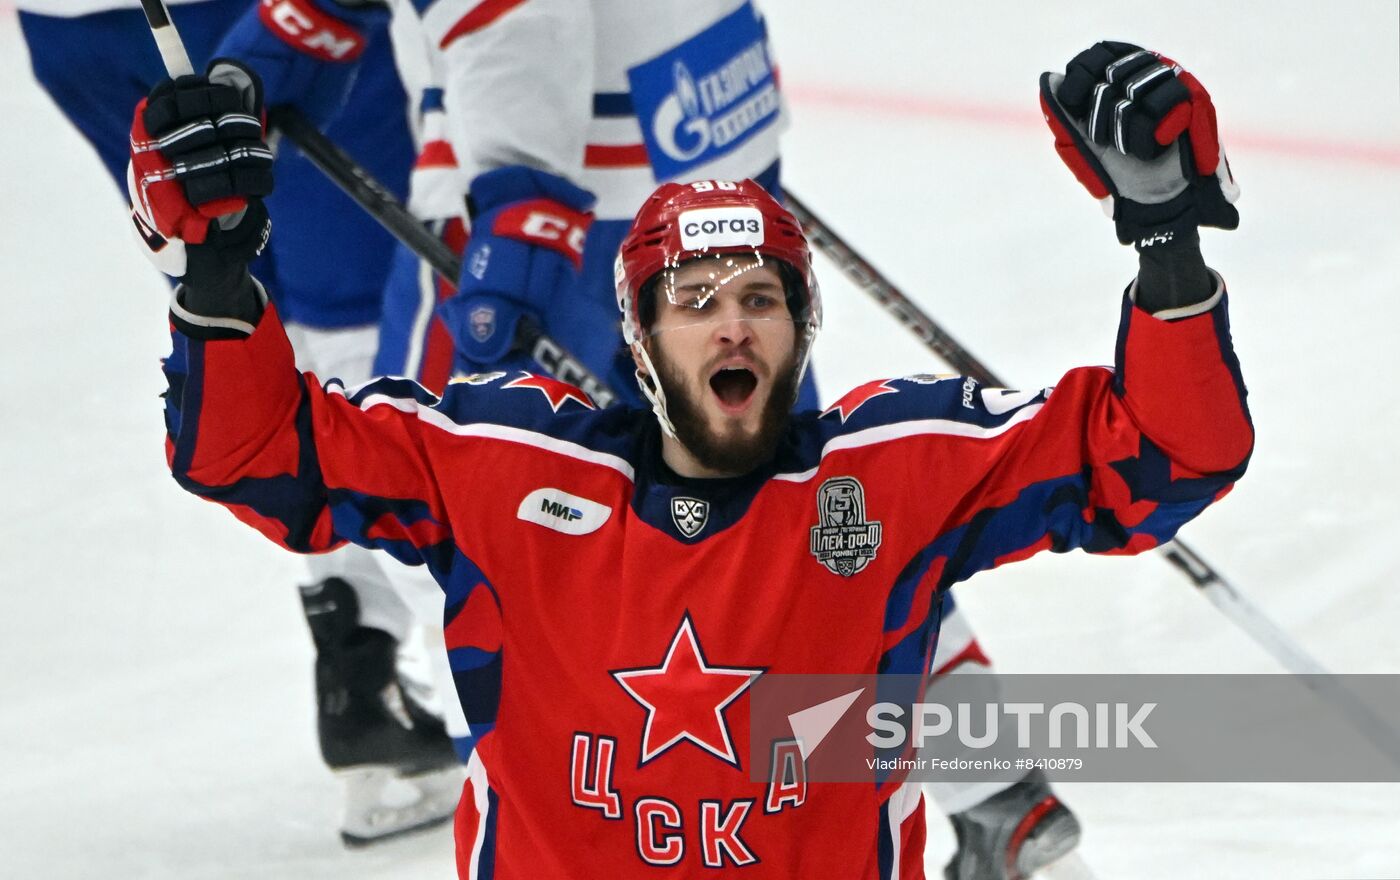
(168, 42)
(1206, 578)
(384, 207)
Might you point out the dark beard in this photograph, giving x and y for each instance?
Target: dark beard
(734, 454)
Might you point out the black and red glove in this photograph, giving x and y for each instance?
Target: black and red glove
(199, 169)
(1139, 133)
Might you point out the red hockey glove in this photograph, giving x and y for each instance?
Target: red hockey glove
(199, 168)
(1139, 133)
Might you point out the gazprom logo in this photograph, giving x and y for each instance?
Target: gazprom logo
(705, 228)
(707, 95)
(719, 108)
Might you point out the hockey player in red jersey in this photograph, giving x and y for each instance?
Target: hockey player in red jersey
(616, 580)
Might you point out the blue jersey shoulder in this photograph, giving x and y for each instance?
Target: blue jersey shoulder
(911, 404)
(528, 402)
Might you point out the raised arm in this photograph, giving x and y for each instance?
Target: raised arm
(1115, 461)
(308, 467)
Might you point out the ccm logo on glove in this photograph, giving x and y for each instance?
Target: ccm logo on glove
(545, 223)
(305, 28)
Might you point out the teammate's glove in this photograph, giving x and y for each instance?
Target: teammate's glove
(305, 50)
(1139, 133)
(199, 167)
(527, 235)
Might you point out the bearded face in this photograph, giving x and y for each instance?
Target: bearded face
(727, 446)
(724, 347)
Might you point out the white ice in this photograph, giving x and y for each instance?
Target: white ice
(156, 717)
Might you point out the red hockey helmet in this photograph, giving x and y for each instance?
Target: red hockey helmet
(681, 222)
(685, 221)
(710, 218)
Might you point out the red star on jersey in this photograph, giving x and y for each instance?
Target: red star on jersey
(557, 392)
(685, 697)
(856, 398)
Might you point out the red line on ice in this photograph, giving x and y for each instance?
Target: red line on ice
(1386, 155)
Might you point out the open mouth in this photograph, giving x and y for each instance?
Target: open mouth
(734, 386)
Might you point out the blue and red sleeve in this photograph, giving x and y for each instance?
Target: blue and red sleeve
(1108, 461)
(1111, 461)
(308, 467)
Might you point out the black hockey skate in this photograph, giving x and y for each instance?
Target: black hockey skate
(1012, 834)
(400, 768)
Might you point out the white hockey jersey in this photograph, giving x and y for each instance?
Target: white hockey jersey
(615, 95)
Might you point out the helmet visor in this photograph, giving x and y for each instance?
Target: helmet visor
(742, 285)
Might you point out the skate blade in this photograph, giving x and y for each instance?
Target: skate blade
(381, 805)
(354, 841)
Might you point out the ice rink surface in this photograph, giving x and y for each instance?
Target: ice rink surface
(156, 719)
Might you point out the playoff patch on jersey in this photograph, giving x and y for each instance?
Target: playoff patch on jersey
(701, 99)
(843, 540)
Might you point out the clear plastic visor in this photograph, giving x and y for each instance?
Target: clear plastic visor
(743, 286)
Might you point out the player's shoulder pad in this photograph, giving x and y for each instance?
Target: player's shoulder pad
(942, 401)
(527, 402)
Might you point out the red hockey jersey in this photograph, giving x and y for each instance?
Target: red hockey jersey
(605, 619)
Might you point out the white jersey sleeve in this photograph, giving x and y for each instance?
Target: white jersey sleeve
(517, 79)
(592, 90)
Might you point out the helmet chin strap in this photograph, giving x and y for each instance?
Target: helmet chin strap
(809, 335)
(651, 389)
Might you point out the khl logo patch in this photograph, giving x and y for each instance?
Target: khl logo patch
(842, 539)
(689, 515)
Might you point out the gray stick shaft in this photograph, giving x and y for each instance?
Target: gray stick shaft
(382, 205)
(1309, 671)
(901, 308)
